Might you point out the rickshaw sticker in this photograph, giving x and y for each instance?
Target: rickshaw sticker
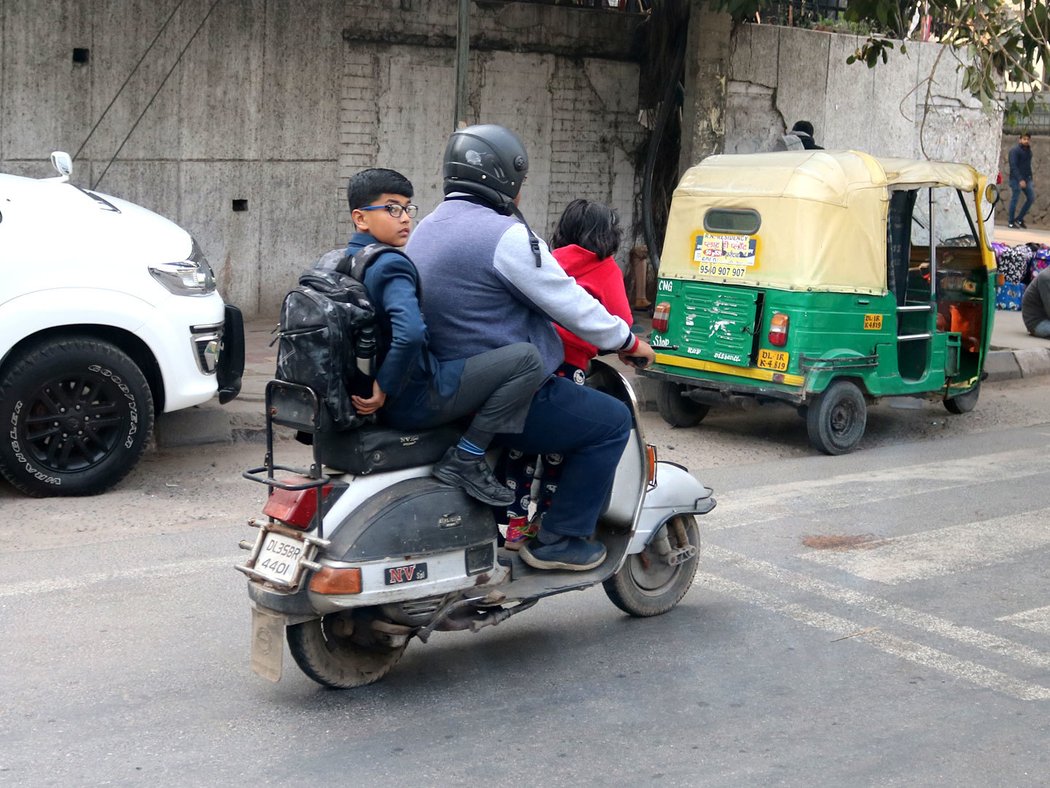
(873, 322)
(724, 251)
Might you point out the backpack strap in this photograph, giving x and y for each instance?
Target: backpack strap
(360, 262)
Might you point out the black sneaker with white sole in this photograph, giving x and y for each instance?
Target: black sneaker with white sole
(474, 476)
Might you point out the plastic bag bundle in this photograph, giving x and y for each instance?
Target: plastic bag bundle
(1008, 296)
(1013, 263)
(1040, 260)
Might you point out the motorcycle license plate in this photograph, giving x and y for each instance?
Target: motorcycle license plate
(399, 575)
(278, 560)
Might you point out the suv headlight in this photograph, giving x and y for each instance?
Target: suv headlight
(191, 277)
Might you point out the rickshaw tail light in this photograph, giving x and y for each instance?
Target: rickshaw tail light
(661, 316)
(778, 329)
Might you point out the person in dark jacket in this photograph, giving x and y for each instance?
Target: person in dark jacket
(412, 387)
(803, 129)
(799, 138)
(1020, 180)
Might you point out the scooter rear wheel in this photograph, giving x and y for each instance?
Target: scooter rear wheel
(647, 585)
(340, 651)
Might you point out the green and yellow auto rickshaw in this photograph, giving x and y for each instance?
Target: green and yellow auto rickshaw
(824, 279)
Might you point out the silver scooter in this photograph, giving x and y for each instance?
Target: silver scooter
(396, 554)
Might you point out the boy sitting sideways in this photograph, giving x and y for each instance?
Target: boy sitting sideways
(412, 389)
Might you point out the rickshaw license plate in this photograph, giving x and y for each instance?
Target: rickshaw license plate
(278, 560)
(773, 359)
(398, 575)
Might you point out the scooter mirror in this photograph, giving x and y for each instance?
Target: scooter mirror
(991, 194)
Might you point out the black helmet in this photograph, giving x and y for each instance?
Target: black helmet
(487, 161)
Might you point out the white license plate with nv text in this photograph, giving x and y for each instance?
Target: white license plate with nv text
(279, 558)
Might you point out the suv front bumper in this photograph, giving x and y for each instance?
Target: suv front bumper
(230, 369)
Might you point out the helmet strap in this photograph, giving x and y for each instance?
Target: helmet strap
(534, 242)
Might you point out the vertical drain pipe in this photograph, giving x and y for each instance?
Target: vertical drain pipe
(462, 65)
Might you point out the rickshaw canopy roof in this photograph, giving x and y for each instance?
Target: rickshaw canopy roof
(822, 216)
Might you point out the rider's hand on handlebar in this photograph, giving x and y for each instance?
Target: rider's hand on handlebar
(641, 357)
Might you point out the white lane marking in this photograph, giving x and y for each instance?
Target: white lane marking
(910, 651)
(944, 551)
(774, 501)
(1037, 619)
(149, 572)
(925, 622)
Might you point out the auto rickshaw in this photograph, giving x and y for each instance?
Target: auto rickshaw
(823, 279)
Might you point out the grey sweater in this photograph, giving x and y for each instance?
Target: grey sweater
(1035, 303)
(482, 289)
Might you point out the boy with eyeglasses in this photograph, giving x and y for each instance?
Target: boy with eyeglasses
(412, 388)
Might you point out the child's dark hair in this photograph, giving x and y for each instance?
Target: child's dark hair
(366, 186)
(592, 225)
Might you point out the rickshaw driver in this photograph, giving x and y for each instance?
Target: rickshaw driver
(490, 282)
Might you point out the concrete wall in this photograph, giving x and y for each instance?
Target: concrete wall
(778, 75)
(186, 109)
(1039, 213)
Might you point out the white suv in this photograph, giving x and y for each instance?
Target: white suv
(108, 314)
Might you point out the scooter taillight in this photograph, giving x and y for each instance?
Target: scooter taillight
(778, 329)
(661, 316)
(294, 507)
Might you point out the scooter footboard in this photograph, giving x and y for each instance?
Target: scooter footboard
(676, 492)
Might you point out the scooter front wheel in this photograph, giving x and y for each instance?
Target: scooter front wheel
(341, 651)
(654, 580)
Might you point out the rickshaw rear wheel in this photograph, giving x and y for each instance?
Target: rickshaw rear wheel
(837, 419)
(965, 402)
(676, 408)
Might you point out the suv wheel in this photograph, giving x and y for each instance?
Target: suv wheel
(76, 415)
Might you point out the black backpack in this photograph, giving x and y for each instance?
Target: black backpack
(327, 334)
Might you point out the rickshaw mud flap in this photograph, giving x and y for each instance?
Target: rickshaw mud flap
(819, 364)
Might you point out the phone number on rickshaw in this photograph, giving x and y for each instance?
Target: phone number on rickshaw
(729, 271)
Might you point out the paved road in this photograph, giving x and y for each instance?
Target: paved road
(879, 618)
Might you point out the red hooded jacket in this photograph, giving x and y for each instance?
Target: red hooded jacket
(603, 280)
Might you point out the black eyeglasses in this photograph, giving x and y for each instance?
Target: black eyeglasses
(394, 209)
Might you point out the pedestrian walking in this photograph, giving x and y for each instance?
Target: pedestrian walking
(1020, 180)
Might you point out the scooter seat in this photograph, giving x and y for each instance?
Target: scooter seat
(373, 448)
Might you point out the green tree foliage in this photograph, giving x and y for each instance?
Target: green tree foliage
(993, 39)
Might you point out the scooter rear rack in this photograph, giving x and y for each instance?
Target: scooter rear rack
(296, 407)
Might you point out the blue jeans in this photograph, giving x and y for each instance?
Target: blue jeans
(590, 430)
(1015, 194)
(1042, 329)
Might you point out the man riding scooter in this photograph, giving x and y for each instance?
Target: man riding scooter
(489, 282)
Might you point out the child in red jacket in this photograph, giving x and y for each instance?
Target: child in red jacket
(584, 242)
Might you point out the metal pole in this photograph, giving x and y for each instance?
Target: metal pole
(462, 65)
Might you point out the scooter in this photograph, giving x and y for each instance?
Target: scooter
(349, 568)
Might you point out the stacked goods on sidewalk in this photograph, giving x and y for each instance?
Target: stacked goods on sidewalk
(1017, 265)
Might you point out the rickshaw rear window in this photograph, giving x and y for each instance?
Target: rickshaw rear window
(726, 220)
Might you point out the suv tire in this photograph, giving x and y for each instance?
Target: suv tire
(76, 415)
